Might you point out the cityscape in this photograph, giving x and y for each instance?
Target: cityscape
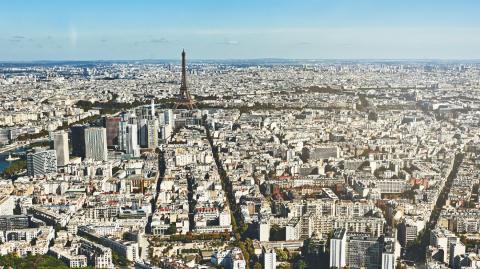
(247, 162)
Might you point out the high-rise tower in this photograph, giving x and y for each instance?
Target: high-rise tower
(96, 143)
(41, 162)
(184, 99)
(60, 144)
(152, 108)
(111, 123)
(78, 140)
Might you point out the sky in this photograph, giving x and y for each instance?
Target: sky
(239, 29)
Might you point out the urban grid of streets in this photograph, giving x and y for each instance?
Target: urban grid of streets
(284, 164)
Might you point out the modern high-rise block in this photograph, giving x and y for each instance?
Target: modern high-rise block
(122, 135)
(60, 144)
(152, 108)
(361, 250)
(112, 124)
(41, 162)
(152, 133)
(78, 140)
(165, 131)
(338, 245)
(364, 251)
(132, 140)
(447, 244)
(168, 117)
(142, 132)
(270, 259)
(96, 143)
(264, 231)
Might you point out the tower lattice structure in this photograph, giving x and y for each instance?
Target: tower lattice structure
(184, 99)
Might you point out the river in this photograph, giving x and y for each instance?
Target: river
(4, 164)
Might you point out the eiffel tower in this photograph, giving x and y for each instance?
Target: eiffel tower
(184, 99)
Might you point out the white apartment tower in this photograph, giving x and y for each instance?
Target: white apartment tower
(264, 231)
(96, 143)
(132, 140)
(270, 259)
(152, 134)
(152, 108)
(41, 162)
(60, 144)
(122, 135)
(338, 252)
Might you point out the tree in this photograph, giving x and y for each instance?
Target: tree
(15, 167)
(300, 264)
(172, 229)
(282, 255)
(284, 266)
(244, 249)
(257, 266)
(31, 261)
(118, 259)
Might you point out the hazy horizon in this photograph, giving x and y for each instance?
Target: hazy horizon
(411, 60)
(111, 30)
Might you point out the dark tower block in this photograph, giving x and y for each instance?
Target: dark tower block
(184, 99)
(78, 140)
(112, 124)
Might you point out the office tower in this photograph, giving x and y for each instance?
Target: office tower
(41, 162)
(60, 144)
(445, 241)
(364, 251)
(264, 231)
(78, 140)
(125, 116)
(161, 132)
(96, 143)
(168, 117)
(122, 135)
(270, 259)
(338, 245)
(456, 249)
(132, 140)
(184, 99)
(152, 133)
(165, 131)
(161, 119)
(361, 250)
(293, 229)
(152, 109)
(142, 133)
(391, 249)
(112, 125)
(143, 112)
(408, 231)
